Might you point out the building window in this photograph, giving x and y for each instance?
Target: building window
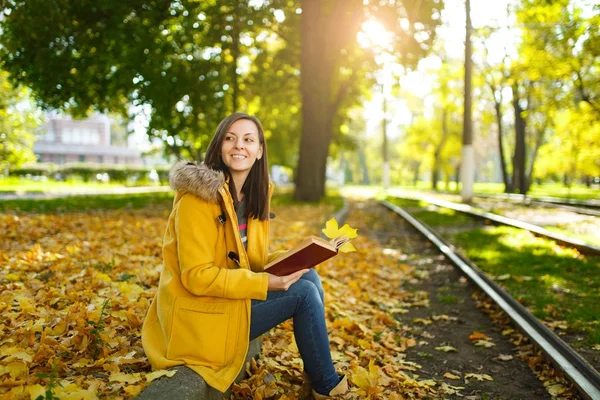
(84, 136)
(48, 136)
(82, 158)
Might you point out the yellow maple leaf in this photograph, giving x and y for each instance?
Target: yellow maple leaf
(157, 374)
(13, 353)
(366, 379)
(133, 390)
(479, 377)
(450, 375)
(15, 369)
(125, 378)
(333, 231)
(35, 391)
(74, 392)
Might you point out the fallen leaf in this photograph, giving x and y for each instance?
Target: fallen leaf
(478, 336)
(446, 349)
(157, 374)
(479, 377)
(450, 375)
(556, 389)
(484, 343)
(366, 380)
(124, 378)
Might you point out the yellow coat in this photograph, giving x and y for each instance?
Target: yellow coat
(200, 316)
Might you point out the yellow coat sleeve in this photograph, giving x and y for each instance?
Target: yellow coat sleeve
(197, 232)
(274, 255)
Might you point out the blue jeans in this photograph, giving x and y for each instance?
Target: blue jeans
(303, 301)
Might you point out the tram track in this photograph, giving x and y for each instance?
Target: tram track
(562, 356)
(582, 246)
(589, 207)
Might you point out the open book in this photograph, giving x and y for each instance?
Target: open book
(311, 251)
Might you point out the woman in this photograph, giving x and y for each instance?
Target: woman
(213, 296)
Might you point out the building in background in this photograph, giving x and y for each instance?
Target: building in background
(95, 140)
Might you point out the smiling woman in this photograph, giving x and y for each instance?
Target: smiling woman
(214, 295)
(240, 149)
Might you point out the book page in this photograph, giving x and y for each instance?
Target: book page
(339, 241)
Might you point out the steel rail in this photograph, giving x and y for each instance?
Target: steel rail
(585, 209)
(580, 245)
(545, 199)
(577, 369)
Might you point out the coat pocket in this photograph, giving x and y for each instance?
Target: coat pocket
(199, 333)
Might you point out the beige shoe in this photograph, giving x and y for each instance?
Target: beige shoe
(306, 390)
(341, 388)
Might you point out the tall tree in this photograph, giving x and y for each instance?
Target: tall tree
(495, 80)
(178, 61)
(448, 100)
(331, 62)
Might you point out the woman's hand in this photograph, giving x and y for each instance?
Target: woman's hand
(283, 283)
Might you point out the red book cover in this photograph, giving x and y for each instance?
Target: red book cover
(309, 253)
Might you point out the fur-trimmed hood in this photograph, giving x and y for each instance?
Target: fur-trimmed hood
(199, 180)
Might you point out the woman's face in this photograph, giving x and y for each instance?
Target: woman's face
(241, 147)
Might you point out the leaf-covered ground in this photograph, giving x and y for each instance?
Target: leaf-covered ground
(403, 325)
(74, 288)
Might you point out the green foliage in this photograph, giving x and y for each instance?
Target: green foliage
(560, 57)
(88, 172)
(88, 203)
(17, 124)
(53, 382)
(97, 328)
(573, 150)
(178, 60)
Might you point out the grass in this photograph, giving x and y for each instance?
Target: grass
(588, 238)
(88, 203)
(554, 282)
(283, 197)
(579, 191)
(22, 185)
(448, 298)
(128, 201)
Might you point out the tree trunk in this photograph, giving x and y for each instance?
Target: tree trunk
(235, 53)
(508, 187)
(519, 178)
(435, 172)
(416, 168)
(363, 165)
(322, 92)
(538, 143)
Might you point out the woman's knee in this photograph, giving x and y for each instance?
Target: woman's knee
(313, 276)
(307, 291)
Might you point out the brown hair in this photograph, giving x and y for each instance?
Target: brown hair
(256, 187)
